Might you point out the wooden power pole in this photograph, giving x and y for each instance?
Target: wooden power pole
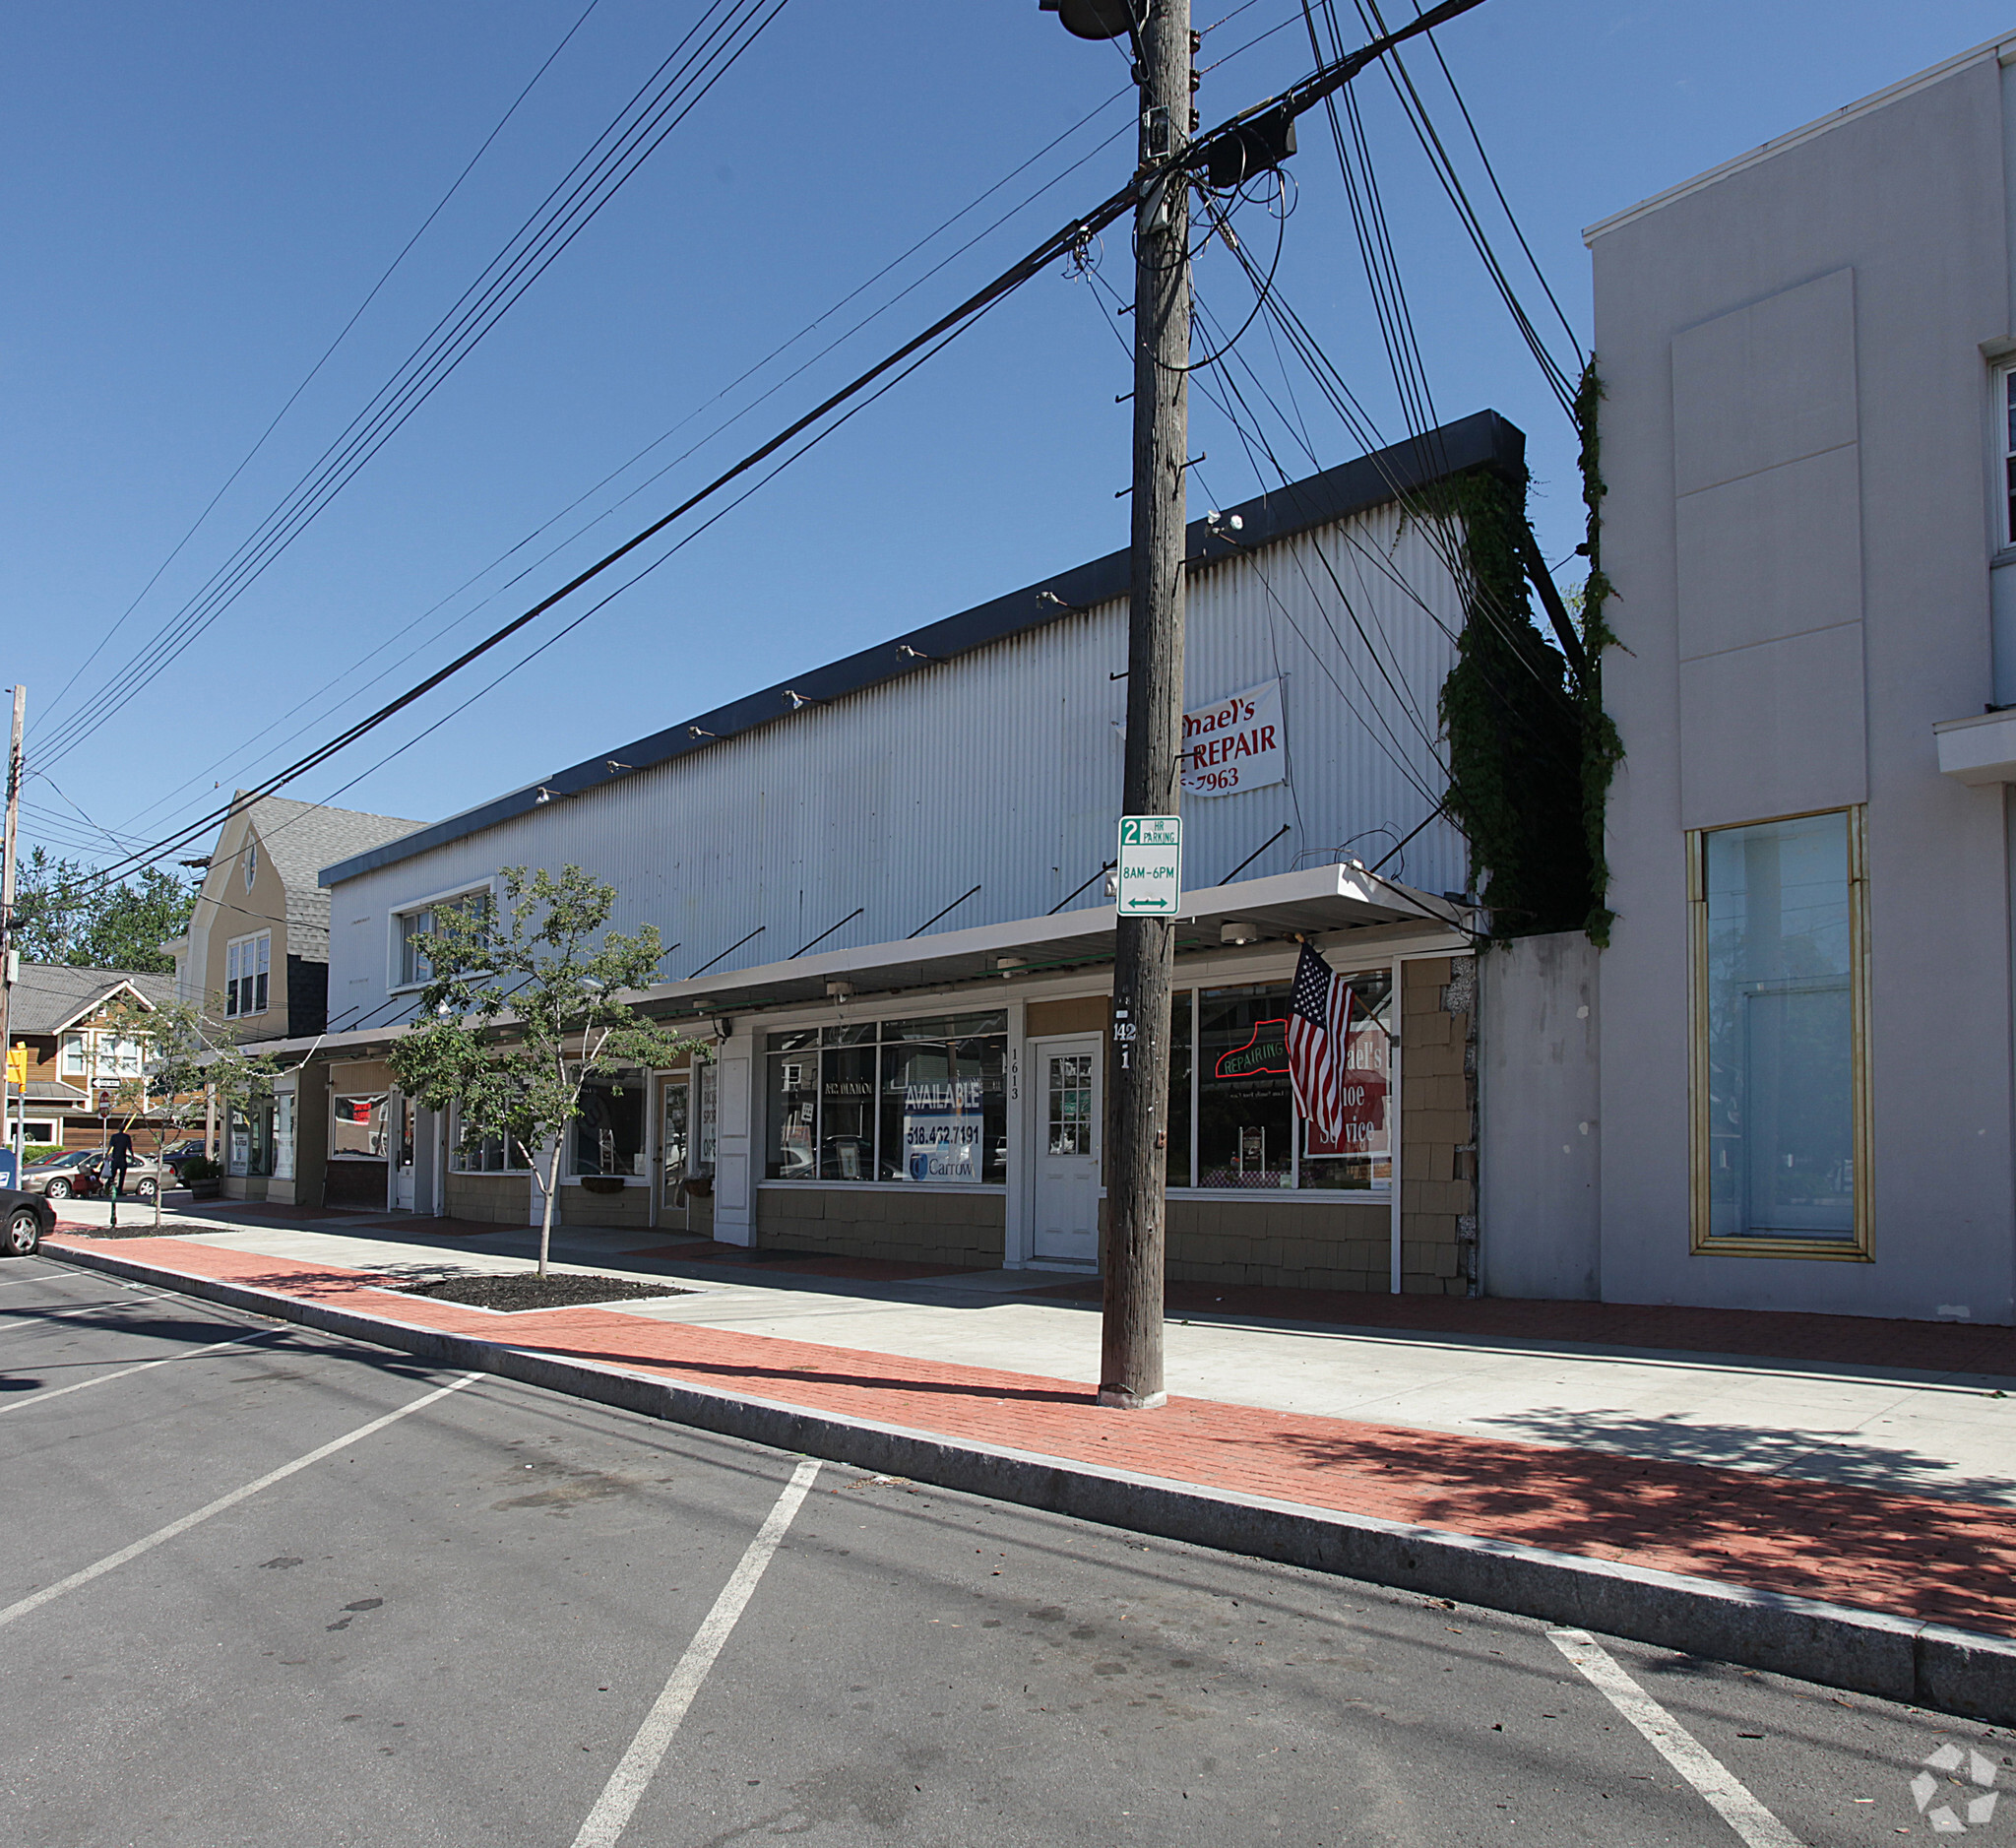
(1144, 960)
(7, 953)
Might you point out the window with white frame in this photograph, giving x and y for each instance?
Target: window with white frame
(415, 970)
(75, 1057)
(248, 964)
(470, 1151)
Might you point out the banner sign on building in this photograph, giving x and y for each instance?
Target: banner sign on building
(1235, 743)
(941, 1131)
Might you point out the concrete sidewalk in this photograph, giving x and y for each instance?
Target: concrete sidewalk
(1450, 1448)
(1927, 1429)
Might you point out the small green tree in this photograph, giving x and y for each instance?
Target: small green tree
(186, 1054)
(522, 1011)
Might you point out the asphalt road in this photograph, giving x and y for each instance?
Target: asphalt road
(489, 1617)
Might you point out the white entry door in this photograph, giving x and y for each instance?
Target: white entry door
(1067, 1142)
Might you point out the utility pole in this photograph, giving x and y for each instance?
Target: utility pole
(1144, 952)
(8, 958)
(1130, 1373)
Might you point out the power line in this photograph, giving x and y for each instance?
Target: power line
(1071, 238)
(630, 494)
(328, 353)
(527, 255)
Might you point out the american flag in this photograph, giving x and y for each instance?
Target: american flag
(1318, 1043)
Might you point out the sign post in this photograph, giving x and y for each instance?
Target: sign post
(1149, 879)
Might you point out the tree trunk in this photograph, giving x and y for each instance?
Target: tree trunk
(546, 1219)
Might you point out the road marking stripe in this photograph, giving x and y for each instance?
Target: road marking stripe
(40, 1276)
(1715, 1783)
(188, 1354)
(88, 1308)
(629, 1780)
(36, 1599)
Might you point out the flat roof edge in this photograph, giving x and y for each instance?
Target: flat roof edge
(2000, 48)
(1482, 441)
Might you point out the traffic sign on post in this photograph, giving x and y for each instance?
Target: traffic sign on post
(1150, 873)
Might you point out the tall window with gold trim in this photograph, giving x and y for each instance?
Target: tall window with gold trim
(1780, 942)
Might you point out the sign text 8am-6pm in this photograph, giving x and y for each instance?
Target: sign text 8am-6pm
(1149, 881)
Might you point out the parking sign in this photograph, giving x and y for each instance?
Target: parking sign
(1150, 882)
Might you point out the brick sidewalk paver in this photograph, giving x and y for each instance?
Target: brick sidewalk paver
(1913, 1556)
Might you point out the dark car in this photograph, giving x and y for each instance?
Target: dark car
(26, 1220)
(190, 1149)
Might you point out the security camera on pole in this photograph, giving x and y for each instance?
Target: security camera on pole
(1144, 958)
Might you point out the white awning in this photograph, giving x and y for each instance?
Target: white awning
(1319, 902)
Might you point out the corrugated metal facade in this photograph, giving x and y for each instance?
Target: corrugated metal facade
(1001, 769)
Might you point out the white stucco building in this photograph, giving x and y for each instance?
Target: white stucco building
(1805, 1098)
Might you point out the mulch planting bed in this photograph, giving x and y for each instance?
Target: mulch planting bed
(518, 1291)
(149, 1231)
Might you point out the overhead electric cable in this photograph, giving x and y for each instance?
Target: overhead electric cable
(531, 252)
(342, 333)
(1072, 237)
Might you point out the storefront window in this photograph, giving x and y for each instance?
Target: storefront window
(1247, 1123)
(470, 1151)
(1181, 1077)
(607, 1137)
(284, 1135)
(1776, 946)
(249, 1141)
(907, 1099)
(1245, 1111)
(357, 1127)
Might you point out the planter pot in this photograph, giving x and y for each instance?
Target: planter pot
(204, 1189)
(700, 1186)
(602, 1184)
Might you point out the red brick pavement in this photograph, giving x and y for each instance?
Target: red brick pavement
(1914, 1556)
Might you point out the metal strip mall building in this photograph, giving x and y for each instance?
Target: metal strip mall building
(884, 882)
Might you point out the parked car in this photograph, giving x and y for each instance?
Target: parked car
(76, 1171)
(26, 1220)
(189, 1149)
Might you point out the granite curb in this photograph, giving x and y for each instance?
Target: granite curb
(1903, 1659)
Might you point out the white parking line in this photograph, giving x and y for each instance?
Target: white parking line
(88, 1309)
(40, 1276)
(630, 1780)
(48, 1593)
(1713, 1780)
(188, 1354)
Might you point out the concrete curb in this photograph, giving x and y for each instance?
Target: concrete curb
(1927, 1665)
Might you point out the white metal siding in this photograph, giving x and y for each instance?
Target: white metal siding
(1001, 769)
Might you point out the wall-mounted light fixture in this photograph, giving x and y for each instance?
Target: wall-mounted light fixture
(1008, 965)
(839, 989)
(1238, 930)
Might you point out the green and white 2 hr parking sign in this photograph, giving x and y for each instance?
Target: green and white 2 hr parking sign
(1150, 873)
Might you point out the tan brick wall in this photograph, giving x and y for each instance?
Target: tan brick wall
(495, 1199)
(1280, 1244)
(910, 1225)
(1437, 1095)
(629, 1209)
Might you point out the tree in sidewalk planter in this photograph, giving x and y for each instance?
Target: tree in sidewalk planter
(188, 1057)
(523, 1010)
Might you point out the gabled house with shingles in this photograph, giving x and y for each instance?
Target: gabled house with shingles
(256, 954)
(76, 1048)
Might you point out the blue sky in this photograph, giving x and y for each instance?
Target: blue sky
(200, 195)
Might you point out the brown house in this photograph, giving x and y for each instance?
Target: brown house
(77, 1051)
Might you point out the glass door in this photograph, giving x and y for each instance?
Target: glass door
(675, 1151)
